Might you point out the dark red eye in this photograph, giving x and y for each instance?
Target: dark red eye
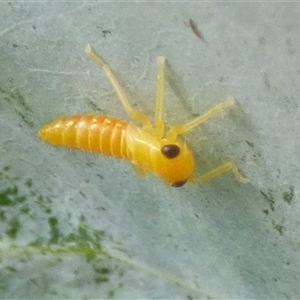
(179, 183)
(170, 151)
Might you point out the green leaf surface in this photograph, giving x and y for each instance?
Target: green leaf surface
(84, 226)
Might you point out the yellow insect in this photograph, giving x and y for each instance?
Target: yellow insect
(149, 148)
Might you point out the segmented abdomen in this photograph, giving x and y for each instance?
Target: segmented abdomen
(95, 133)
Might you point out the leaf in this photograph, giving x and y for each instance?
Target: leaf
(77, 225)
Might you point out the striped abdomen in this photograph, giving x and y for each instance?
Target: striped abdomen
(95, 133)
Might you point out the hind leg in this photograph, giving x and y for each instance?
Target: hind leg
(134, 114)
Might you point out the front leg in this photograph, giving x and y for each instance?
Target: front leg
(228, 166)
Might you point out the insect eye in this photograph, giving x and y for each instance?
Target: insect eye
(179, 183)
(170, 151)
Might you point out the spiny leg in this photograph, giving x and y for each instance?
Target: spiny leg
(183, 128)
(134, 114)
(160, 81)
(228, 166)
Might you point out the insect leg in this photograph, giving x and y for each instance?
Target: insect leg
(159, 123)
(139, 171)
(183, 128)
(228, 166)
(134, 114)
